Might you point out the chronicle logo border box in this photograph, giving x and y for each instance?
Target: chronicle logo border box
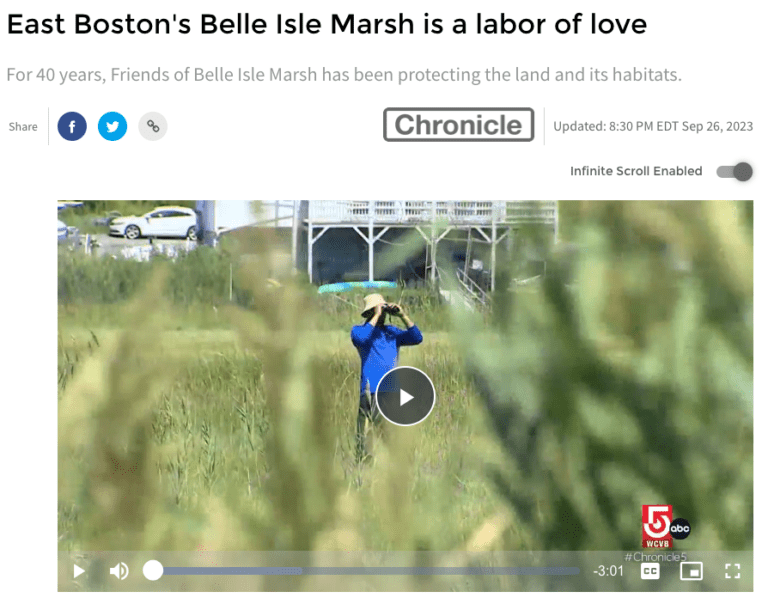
(461, 140)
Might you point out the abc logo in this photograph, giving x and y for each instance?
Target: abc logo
(680, 528)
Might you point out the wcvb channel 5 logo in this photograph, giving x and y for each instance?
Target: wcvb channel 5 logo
(659, 529)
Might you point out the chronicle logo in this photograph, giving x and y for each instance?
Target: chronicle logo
(458, 124)
(680, 528)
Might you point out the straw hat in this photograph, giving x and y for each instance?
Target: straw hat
(372, 301)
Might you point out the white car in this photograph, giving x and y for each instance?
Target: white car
(168, 221)
(68, 234)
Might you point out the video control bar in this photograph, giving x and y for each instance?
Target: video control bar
(362, 570)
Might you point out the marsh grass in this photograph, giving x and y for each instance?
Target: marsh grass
(96, 291)
(557, 417)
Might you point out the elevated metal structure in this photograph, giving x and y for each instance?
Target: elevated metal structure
(492, 220)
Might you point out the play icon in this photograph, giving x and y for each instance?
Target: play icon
(78, 571)
(405, 396)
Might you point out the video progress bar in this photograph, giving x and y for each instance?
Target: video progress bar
(364, 570)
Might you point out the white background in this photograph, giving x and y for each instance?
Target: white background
(322, 141)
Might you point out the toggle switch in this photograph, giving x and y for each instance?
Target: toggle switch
(741, 171)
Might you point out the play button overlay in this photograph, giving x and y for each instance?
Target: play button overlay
(405, 396)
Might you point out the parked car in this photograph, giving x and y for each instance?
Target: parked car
(68, 234)
(168, 221)
(106, 220)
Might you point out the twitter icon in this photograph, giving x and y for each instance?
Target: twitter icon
(112, 126)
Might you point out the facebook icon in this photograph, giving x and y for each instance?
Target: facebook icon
(72, 126)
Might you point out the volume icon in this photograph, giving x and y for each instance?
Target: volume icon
(120, 570)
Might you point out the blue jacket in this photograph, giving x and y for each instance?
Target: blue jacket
(378, 348)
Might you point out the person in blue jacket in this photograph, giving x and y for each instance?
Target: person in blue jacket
(378, 345)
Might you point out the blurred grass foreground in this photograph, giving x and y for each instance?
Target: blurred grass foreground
(623, 378)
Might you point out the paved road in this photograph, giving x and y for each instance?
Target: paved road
(113, 246)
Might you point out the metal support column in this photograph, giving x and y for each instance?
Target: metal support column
(433, 245)
(432, 240)
(309, 250)
(311, 240)
(468, 252)
(493, 254)
(295, 238)
(371, 240)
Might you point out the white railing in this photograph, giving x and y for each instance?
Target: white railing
(468, 292)
(421, 212)
(472, 288)
(516, 212)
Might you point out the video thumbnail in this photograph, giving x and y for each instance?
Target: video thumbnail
(340, 395)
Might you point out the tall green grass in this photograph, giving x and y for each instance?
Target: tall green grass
(95, 291)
